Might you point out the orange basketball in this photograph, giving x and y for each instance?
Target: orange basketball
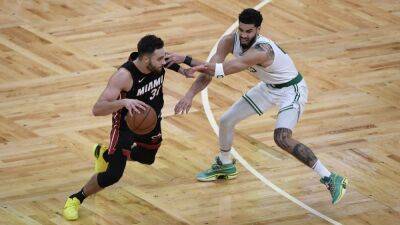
(143, 122)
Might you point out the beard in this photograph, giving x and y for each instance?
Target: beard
(249, 44)
(154, 69)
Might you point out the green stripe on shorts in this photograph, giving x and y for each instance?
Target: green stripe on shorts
(285, 108)
(252, 104)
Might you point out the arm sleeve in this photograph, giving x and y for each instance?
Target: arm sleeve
(175, 67)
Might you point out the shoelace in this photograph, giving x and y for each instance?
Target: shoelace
(218, 165)
(331, 186)
(73, 203)
(214, 166)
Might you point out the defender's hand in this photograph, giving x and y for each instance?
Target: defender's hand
(189, 72)
(204, 68)
(171, 57)
(183, 106)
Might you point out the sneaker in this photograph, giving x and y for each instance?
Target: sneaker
(336, 184)
(218, 171)
(71, 208)
(100, 165)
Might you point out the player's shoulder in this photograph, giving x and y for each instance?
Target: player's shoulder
(122, 75)
(263, 47)
(262, 51)
(130, 68)
(229, 38)
(226, 43)
(128, 65)
(122, 78)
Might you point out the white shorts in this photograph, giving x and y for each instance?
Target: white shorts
(290, 100)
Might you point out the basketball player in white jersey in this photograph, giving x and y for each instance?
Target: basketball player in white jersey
(280, 85)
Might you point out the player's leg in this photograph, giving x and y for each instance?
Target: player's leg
(253, 102)
(143, 153)
(145, 147)
(102, 153)
(288, 116)
(97, 182)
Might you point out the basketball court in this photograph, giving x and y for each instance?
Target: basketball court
(56, 58)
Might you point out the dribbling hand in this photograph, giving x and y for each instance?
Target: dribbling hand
(134, 105)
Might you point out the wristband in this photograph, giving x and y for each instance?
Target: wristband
(188, 60)
(219, 70)
(175, 67)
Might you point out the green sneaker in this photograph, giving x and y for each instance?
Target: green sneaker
(336, 184)
(218, 171)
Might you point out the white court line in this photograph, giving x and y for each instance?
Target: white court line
(213, 123)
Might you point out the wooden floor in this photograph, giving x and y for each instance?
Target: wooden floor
(56, 57)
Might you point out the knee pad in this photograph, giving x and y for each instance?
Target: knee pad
(109, 177)
(143, 155)
(148, 161)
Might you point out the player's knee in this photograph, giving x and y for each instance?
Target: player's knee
(282, 137)
(226, 121)
(148, 157)
(143, 155)
(108, 178)
(148, 161)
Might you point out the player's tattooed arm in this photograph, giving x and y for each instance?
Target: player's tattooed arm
(267, 48)
(203, 80)
(172, 57)
(261, 54)
(187, 72)
(250, 58)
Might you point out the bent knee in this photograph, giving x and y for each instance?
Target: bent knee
(107, 179)
(282, 137)
(148, 161)
(226, 121)
(143, 155)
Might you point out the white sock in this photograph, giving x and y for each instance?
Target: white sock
(321, 169)
(225, 157)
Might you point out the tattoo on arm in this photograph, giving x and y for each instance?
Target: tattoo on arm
(304, 154)
(267, 48)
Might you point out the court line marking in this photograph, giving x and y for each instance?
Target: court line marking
(213, 123)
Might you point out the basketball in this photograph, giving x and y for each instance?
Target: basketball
(143, 122)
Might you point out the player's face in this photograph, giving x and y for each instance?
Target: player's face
(157, 60)
(247, 34)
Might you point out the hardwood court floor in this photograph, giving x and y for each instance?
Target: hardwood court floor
(56, 57)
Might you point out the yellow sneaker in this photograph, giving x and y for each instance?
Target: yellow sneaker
(71, 208)
(100, 165)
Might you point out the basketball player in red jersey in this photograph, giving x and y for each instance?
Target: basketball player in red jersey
(136, 84)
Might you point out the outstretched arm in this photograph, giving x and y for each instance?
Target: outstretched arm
(188, 73)
(172, 57)
(261, 54)
(224, 48)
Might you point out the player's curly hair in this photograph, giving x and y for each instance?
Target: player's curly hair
(148, 44)
(251, 16)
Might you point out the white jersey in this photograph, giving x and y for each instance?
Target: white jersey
(280, 71)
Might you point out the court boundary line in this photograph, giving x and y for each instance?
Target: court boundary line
(238, 157)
